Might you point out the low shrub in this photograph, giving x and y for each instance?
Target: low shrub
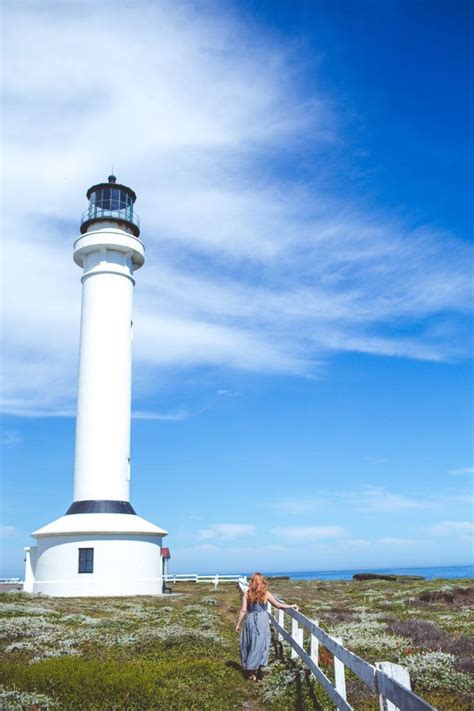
(17, 700)
(424, 634)
(463, 650)
(435, 670)
(451, 596)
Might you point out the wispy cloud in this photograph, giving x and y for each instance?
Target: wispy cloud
(462, 471)
(452, 528)
(10, 438)
(297, 506)
(9, 532)
(383, 542)
(171, 416)
(395, 541)
(308, 533)
(227, 531)
(357, 542)
(248, 268)
(370, 499)
(207, 547)
(378, 499)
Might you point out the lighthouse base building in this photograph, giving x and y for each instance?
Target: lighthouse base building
(101, 547)
(96, 554)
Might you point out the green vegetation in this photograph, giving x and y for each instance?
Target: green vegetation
(133, 653)
(424, 625)
(180, 652)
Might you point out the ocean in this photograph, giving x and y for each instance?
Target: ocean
(451, 571)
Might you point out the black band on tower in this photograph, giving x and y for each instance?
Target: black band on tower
(100, 506)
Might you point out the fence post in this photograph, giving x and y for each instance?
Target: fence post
(294, 632)
(297, 634)
(216, 581)
(397, 672)
(314, 648)
(300, 637)
(339, 673)
(281, 622)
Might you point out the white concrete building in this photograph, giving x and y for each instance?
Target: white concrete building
(100, 546)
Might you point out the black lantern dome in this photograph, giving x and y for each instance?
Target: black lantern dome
(111, 202)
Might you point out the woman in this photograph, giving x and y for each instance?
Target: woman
(255, 637)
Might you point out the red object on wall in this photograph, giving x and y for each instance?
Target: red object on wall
(165, 553)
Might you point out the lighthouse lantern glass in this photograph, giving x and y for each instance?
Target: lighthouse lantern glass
(110, 199)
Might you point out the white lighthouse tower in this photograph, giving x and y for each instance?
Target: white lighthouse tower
(100, 546)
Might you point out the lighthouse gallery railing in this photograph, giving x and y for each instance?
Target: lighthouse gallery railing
(123, 212)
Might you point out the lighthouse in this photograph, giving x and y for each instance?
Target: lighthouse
(101, 547)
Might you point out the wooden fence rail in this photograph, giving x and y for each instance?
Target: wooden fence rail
(390, 681)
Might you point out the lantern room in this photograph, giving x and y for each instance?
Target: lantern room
(112, 203)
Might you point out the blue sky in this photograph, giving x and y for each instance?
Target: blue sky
(303, 323)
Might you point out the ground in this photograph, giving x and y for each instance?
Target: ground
(180, 652)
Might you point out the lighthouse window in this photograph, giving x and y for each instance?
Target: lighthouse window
(86, 560)
(96, 198)
(115, 199)
(110, 199)
(106, 198)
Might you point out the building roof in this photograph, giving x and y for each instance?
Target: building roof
(106, 523)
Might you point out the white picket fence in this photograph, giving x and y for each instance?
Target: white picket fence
(390, 681)
(195, 578)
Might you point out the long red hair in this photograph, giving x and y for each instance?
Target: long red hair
(257, 590)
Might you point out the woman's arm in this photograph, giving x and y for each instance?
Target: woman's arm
(280, 605)
(243, 611)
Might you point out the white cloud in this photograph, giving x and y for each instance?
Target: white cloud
(378, 499)
(467, 498)
(9, 532)
(178, 415)
(246, 268)
(308, 533)
(379, 543)
(10, 438)
(227, 531)
(452, 528)
(206, 547)
(462, 471)
(357, 543)
(297, 506)
(371, 499)
(395, 542)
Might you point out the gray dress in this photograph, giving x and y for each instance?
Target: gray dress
(255, 637)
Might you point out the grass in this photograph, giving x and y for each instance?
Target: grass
(181, 652)
(132, 653)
